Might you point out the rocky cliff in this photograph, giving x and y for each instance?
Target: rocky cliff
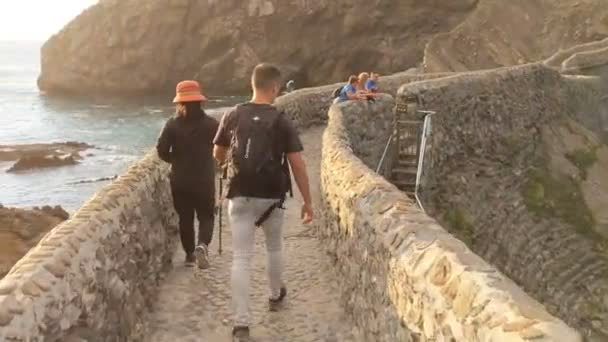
(525, 31)
(21, 229)
(143, 46)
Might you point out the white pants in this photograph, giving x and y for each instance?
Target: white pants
(242, 214)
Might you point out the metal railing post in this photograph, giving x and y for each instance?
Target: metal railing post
(386, 148)
(425, 132)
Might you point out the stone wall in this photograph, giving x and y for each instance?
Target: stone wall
(406, 278)
(309, 106)
(93, 276)
(498, 176)
(368, 144)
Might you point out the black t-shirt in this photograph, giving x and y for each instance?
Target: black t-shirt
(187, 143)
(288, 141)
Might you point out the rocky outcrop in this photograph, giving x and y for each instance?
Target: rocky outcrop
(526, 31)
(404, 277)
(512, 172)
(29, 163)
(21, 229)
(33, 156)
(114, 46)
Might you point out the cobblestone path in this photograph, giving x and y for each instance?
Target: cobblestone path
(195, 305)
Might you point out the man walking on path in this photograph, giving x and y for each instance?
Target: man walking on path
(259, 143)
(186, 142)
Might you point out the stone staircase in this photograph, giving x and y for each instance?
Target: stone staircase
(401, 157)
(403, 174)
(407, 133)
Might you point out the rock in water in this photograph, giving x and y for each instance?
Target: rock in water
(32, 156)
(114, 46)
(39, 162)
(21, 229)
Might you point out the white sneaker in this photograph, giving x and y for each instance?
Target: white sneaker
(202, 256)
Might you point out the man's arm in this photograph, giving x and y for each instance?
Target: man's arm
(298, 167)
(165, 142)
(293, 151)
(222, 138)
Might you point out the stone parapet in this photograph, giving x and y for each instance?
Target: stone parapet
(309, 106)
(501, 173)
(405, 277)
(93, 276)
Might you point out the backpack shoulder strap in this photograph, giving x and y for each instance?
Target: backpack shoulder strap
(236, 113)
(285, 161)
(235, 119)
(278, 118)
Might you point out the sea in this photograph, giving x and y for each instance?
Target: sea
(120, 130)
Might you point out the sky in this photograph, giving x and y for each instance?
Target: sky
(37, 20)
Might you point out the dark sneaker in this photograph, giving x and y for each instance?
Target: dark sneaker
(240, 334)
(190, 260)
(276, 304)
(202, 256)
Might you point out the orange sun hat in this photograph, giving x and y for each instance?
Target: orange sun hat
(188, 91)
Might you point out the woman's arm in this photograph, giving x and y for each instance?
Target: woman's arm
(164, 145)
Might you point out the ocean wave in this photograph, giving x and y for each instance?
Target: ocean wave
(93, 180)
(217, 112)
(154, 111)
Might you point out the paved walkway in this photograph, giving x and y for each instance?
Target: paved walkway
(195, 305)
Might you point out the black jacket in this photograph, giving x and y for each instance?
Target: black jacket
(187, 144)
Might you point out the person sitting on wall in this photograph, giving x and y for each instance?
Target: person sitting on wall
(363, 78)
(186, 142)
(348, 91)
(372, 84)
(362, 91)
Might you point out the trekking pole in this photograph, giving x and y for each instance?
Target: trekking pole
(220, 215)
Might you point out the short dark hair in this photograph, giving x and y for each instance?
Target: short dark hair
(264, 75)
(353, 79)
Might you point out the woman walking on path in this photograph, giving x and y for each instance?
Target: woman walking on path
(186, 142)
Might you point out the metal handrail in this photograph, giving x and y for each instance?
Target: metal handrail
(425, 132)
(388, 144)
